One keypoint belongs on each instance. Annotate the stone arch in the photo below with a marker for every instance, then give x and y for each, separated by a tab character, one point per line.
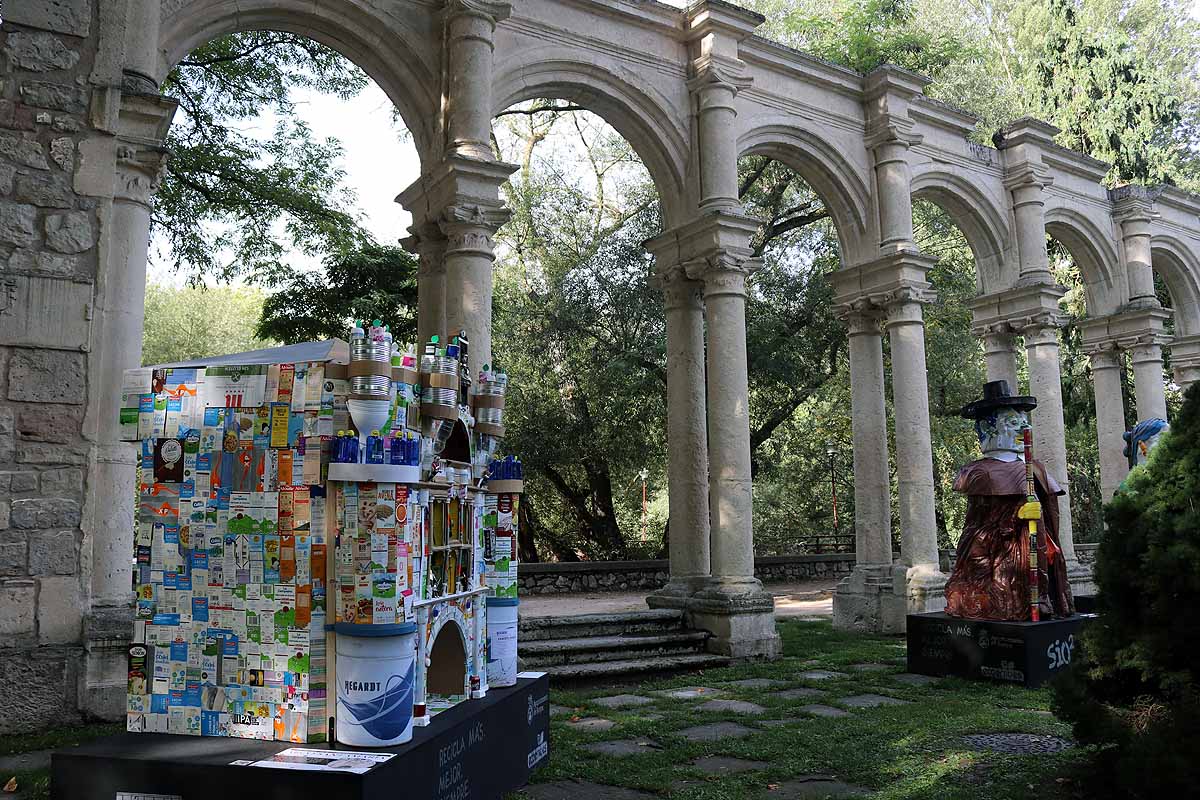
387	46
980	220
1095	253
1180	270
625	101
833	178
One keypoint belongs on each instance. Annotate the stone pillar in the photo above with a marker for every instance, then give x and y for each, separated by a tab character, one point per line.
1110	415
428	243
1145	355
914	452
687	439
887	92
999	353
470	35
117	334
865	600
468	278
1049	431
1026	178
1133	209
733	605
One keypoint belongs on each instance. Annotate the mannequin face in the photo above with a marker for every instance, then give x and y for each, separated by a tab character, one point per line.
1001	432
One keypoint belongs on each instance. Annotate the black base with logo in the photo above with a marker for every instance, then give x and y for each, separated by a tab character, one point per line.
478	750
1028	653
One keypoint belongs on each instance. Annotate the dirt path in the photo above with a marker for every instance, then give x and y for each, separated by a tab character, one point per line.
804	599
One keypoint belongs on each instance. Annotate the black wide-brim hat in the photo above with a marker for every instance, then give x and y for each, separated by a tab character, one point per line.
996	396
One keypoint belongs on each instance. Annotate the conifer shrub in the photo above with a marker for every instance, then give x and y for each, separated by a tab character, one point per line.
1134	690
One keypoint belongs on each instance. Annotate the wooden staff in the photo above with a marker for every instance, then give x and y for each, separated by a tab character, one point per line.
1031	512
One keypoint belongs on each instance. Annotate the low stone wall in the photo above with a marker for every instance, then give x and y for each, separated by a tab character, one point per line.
1086	553
619	576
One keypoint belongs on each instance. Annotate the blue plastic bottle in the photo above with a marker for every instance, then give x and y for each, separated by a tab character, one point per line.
374	448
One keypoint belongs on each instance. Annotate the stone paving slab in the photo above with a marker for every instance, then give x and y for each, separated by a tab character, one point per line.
622	701
818	710
800	693
816	787
913	679
726	765
715	731
756	683
622	747
22	762
821	675
691	692
870	667
1018	743
582	790
592	724
736	706
558	710
871	701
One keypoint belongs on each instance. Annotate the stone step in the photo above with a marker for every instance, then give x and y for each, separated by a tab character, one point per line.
659	620
567	674
591	649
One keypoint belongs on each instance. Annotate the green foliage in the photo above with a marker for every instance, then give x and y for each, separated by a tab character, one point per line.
373	282
1135	692
193	322
235	200
1110	101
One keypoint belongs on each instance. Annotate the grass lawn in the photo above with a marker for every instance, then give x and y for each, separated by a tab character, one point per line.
914	750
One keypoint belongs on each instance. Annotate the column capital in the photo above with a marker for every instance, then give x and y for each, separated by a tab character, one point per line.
455	180
887	92
1147	347
1127	328
1027	176
1012	309
1134	202
723	272
1041	328
862	317
885	279
679	290
1103	354
714	72
142	123
489	10
469	227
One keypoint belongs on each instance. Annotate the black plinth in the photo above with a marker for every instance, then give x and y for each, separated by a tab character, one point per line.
1028	653
478	750
1085	603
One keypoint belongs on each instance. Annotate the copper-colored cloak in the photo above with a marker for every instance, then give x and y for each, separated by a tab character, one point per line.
991	576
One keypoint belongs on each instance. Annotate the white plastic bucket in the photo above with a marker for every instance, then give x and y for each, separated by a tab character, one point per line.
502	641
376	676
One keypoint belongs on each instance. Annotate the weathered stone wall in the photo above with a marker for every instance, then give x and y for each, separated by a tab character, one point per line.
48	267
622	576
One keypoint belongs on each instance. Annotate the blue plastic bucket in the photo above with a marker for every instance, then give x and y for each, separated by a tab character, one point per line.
376	675
502	641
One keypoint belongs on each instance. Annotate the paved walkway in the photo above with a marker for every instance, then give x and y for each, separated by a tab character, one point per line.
813	599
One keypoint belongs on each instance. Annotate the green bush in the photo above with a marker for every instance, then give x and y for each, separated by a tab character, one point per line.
1134	691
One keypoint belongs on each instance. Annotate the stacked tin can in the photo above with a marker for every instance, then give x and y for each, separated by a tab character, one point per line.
370	368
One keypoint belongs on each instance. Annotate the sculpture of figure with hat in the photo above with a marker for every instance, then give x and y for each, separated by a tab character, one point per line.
992	577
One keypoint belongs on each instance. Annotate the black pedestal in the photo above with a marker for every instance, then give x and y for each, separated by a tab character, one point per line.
1029	653
1085	603
477	750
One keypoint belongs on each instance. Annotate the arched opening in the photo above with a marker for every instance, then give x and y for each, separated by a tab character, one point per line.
579	325
446	675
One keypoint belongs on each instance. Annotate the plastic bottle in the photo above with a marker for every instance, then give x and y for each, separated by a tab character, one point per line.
374	448
520	471
336	453
409	361
351	447
356	333
396	451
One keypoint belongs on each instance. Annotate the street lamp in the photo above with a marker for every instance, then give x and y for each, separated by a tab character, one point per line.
831	451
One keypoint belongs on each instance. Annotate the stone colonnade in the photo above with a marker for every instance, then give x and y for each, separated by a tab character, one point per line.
82	129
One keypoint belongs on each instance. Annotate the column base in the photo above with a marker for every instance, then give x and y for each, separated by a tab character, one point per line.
739	615
1081	579
107	634
865	601
922	586
677	591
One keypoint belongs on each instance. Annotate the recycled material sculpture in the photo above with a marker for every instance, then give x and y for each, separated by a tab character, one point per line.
1142	438
992	576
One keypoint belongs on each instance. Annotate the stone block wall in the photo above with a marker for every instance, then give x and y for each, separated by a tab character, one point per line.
647	576
48	259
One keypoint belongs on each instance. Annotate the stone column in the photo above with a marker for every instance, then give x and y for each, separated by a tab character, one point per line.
999	353
714	91
1145	354
1049	431
428	243
865	599
470	41
914	451
468	278
887	93
1026	176
1110	415
117	335
733	605
687	439
1133	209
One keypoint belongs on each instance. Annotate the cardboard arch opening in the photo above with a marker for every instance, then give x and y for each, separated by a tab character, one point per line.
447	672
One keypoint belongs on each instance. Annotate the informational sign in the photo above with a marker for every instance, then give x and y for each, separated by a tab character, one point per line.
322	760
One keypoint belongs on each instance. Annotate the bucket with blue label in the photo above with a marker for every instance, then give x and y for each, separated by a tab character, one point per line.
376	676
